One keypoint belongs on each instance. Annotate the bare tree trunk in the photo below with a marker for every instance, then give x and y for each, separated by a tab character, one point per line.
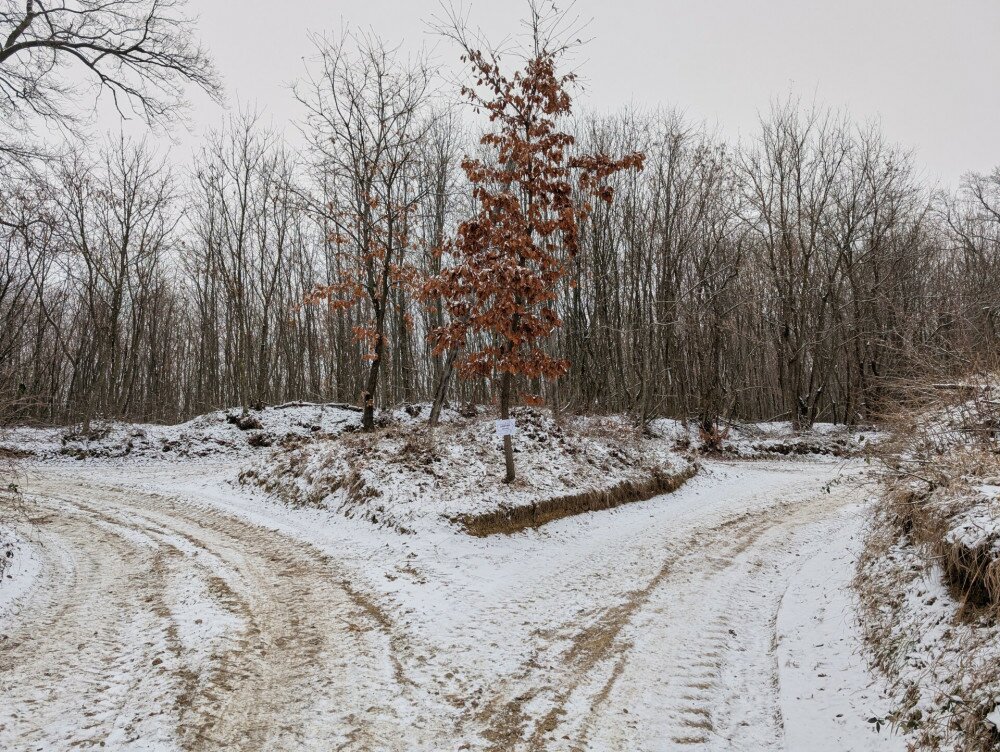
508	444
442	387
368	396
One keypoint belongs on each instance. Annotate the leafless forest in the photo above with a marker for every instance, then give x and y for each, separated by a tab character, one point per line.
799	274
292	552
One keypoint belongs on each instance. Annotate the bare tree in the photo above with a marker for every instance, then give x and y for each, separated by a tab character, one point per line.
249	225
368	119
142	53
800	274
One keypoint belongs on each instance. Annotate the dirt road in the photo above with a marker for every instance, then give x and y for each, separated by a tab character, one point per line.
167	610
158	624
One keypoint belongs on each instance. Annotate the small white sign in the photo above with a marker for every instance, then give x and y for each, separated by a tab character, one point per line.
505	427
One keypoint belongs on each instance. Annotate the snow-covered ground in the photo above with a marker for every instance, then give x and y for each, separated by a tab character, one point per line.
944	665
407	476
773	438
824	674
170	608
222	432
929	582
18	571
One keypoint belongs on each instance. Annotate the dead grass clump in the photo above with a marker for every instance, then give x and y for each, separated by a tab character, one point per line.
972	573
957	525
833	448
418	451
712	440
244	421
96	432
942	660
929	576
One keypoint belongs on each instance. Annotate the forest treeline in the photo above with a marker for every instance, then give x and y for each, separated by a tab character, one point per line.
799	274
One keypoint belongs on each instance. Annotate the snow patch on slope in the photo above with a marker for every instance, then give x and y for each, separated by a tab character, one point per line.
19	569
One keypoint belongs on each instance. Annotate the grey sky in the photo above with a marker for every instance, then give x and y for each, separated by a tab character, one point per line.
928	71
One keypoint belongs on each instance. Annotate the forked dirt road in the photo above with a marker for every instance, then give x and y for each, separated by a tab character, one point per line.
159	608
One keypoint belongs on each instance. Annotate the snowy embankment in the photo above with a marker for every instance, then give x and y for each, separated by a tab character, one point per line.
771	439
222	432
930	577
406	475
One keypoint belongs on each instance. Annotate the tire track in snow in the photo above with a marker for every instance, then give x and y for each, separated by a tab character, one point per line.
299	657
540	641
565	696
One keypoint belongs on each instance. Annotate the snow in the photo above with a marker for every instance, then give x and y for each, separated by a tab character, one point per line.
207	435
719	614
928	576
994	718
18	577
765	439
411	478
831	702
976	525
629	628
937	662
214	433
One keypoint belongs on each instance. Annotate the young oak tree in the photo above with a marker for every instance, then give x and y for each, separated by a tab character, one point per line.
509	257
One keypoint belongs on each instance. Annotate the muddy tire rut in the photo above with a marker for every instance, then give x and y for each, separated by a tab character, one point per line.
186	628
574	692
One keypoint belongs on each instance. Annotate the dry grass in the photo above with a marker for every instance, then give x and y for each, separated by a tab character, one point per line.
929	578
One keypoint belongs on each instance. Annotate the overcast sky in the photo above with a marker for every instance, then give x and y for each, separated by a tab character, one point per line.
928	70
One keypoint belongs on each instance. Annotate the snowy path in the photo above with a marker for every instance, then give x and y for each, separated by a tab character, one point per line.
170	611
157	625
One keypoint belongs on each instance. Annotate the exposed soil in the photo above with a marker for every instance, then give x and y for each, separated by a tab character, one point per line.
514	519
